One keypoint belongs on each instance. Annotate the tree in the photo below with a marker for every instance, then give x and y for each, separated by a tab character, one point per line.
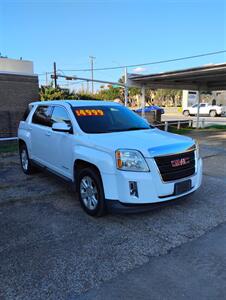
51	93
163	97
109	93
82	95
168	97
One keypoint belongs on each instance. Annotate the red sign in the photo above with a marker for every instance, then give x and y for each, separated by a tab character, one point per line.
180	162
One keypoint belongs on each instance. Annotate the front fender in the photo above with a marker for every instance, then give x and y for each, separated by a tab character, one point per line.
104	161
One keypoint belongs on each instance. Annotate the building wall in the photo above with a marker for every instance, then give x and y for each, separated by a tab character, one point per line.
220	97
16	91
191	97
16	66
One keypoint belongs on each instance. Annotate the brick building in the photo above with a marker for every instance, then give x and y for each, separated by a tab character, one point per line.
18	87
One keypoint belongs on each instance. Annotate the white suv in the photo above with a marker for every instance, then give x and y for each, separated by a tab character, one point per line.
204	109
115	158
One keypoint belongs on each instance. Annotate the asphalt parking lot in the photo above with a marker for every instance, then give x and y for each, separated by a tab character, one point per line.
50	249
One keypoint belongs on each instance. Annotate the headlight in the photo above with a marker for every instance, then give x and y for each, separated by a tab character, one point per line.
130	160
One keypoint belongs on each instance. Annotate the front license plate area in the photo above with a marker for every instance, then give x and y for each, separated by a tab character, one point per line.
182	187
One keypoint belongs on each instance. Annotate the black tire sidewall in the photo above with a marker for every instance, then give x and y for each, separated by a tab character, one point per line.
101	206
29	168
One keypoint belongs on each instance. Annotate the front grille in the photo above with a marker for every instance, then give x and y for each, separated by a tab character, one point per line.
172	167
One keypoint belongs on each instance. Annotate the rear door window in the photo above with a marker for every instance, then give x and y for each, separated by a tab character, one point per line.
42	115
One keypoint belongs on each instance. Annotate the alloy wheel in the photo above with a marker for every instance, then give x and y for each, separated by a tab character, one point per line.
24	159
89	193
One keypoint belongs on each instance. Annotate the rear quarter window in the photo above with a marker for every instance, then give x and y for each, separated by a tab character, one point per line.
26	113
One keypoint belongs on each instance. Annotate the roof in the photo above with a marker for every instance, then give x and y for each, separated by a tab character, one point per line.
16	66
17	74
211	77
77	102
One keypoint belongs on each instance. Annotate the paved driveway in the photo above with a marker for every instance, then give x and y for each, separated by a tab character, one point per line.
50	249
195	270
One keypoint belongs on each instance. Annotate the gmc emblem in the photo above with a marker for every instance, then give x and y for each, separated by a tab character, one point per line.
180	162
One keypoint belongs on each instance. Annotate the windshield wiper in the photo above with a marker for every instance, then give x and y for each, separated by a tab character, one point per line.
122	129
135	128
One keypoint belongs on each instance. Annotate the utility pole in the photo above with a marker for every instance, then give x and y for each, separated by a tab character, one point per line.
143	101
198	108
55	75
126	87
91	64
46	78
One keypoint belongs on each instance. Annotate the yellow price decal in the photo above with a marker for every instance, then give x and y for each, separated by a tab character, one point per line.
89	112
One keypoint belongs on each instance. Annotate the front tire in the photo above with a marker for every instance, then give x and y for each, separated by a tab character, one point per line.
213	113
25	161
91	192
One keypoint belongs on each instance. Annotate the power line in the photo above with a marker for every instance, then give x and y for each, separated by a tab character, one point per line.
44	74
142	64
146	64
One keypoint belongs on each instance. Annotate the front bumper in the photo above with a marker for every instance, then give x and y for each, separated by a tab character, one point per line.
151	188
119	207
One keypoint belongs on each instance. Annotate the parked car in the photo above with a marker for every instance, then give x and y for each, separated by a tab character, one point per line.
204	109
151	108
152	113
115	159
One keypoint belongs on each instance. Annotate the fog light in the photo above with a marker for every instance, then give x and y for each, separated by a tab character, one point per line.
133	188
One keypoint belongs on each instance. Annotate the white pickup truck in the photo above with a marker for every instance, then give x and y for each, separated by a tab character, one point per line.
115	159
205	109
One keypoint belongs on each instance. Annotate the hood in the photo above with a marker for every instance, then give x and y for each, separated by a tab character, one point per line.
150	142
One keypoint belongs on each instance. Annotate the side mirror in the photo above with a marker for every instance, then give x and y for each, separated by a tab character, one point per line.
61	127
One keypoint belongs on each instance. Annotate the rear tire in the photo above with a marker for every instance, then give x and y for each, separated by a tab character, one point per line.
25	161
91	192
186	113
213	113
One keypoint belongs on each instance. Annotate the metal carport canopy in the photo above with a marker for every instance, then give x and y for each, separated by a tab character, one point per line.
206	78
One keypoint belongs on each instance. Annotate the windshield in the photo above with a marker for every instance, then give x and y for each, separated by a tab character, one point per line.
103	119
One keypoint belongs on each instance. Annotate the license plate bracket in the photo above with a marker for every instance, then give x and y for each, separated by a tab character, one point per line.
182	187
